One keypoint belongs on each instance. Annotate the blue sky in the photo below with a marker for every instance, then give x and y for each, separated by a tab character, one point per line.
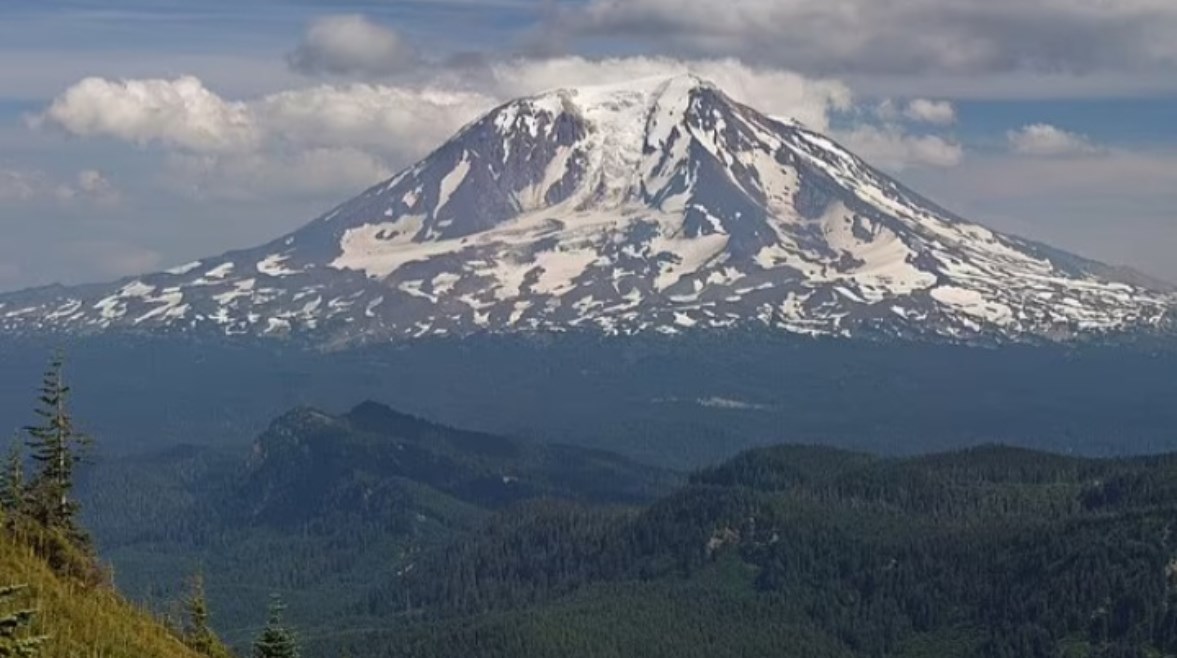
136	135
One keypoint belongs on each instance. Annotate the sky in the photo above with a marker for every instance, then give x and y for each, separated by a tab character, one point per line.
138	135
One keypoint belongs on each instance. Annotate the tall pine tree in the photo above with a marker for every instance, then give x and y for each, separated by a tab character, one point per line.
276	640
13	495
198	634
56	447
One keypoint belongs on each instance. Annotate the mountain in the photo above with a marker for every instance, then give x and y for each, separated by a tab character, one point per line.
326	507
653	206
309	462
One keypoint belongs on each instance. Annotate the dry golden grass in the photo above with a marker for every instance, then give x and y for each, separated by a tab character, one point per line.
82	621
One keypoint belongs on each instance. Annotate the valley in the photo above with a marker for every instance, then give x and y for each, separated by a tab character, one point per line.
408	539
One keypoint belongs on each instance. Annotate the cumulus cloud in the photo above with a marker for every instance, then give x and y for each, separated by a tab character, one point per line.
773	91
351	135
25	186
351	44
400	121
16	185
897	37
891	148
917	110
338	138
930	111
180	112
1045	140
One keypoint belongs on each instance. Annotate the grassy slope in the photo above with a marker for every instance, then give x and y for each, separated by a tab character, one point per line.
83	622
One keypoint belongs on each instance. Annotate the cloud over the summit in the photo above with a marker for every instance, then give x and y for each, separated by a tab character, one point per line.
369	129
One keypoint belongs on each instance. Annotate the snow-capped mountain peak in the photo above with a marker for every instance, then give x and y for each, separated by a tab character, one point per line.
655	205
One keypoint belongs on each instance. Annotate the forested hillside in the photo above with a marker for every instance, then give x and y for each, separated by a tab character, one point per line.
323	507
392	536
816	552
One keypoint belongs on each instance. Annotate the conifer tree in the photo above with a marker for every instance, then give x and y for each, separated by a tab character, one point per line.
14	639
276	640
13	496
56	446
197	633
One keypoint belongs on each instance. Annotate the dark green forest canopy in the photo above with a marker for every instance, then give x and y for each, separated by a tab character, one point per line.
814	552
785	551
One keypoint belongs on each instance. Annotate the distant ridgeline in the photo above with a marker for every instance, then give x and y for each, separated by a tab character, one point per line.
392	536
680	402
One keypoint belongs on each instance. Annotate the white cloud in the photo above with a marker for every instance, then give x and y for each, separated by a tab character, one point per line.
917	110
772	91
91	181
33	186
1045	140
929	111
891	148
899	36
403	122
351	44
271	144
16	185
179	113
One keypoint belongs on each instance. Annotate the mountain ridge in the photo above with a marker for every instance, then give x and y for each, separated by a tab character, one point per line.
656	205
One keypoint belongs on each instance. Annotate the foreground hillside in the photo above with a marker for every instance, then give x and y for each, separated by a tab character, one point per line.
82	621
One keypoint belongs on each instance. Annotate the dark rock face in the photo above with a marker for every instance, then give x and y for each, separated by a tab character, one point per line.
659	205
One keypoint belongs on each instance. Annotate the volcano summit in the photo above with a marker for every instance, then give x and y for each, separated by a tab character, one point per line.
656	205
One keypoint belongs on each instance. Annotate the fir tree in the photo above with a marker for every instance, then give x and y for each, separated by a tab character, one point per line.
14	638
198	634
56	447
276	640
13	496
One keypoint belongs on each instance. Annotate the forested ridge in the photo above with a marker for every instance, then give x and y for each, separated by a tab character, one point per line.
786	551
387	535
812	551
